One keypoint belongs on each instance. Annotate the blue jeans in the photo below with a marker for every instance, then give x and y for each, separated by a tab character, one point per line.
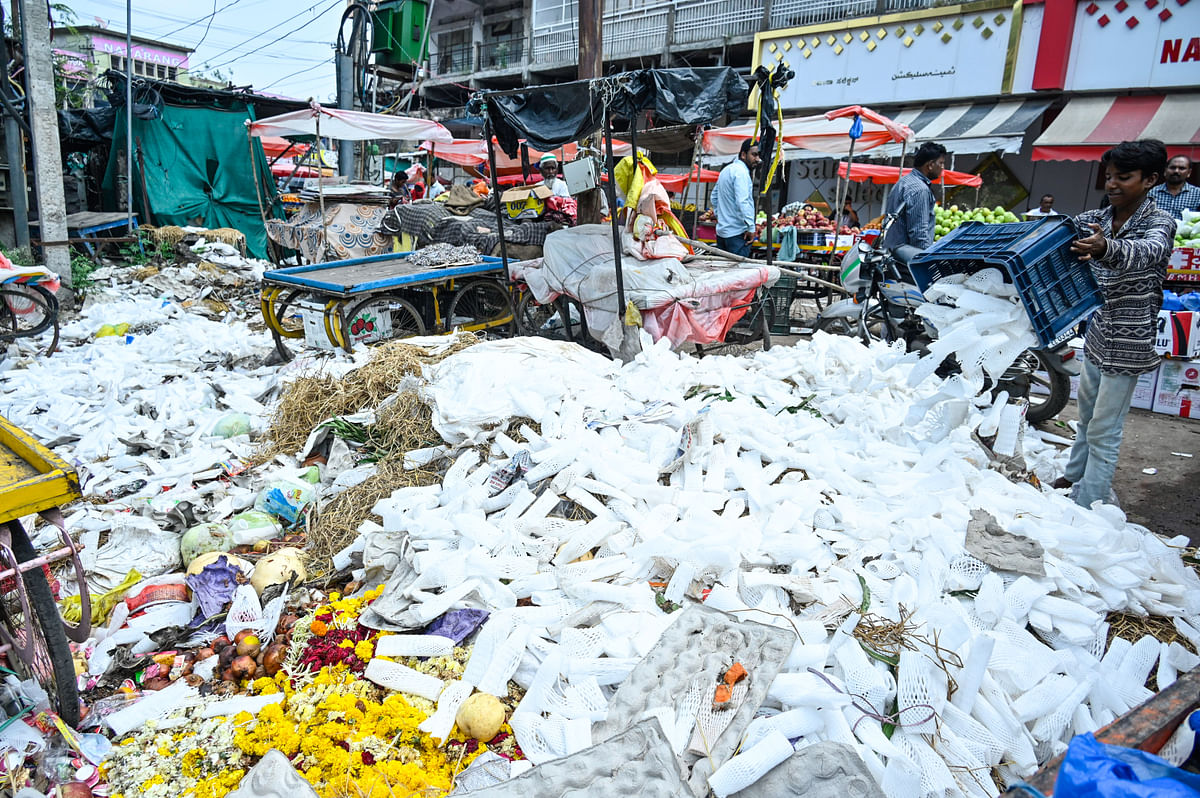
736	245
1103	404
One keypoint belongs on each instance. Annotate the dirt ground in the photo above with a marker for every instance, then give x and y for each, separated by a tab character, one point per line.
1167	502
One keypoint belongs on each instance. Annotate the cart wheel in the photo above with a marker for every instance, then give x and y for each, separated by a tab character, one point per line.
405	319
552	320
756	324
52	664
481	305
286	324
28	310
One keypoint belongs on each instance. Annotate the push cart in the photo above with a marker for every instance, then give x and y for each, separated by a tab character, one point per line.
355	302
33	636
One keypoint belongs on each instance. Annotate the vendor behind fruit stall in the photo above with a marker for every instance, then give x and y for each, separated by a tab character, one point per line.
849	217
733	200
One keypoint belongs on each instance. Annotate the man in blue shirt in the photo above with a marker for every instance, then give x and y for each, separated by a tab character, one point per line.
733	201
915	192
1175	194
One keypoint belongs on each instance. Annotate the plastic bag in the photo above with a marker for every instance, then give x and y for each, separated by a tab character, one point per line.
252	526
285	498
1092	769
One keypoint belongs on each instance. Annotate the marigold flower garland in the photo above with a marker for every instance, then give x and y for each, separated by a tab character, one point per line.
344	734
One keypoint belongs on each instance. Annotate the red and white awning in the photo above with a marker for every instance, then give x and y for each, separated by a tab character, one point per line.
335	123
1090	125
825	133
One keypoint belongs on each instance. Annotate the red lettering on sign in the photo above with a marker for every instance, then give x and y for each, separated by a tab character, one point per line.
1172	47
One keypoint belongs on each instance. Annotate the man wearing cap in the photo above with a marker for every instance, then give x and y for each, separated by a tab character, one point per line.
548	166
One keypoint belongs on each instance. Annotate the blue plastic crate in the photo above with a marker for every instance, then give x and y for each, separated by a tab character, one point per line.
1057	289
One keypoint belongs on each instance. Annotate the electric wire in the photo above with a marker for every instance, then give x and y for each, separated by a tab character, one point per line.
210	65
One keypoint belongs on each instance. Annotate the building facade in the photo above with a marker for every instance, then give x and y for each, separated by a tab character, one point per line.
87	51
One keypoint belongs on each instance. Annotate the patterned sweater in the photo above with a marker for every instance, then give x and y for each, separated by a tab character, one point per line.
1120	335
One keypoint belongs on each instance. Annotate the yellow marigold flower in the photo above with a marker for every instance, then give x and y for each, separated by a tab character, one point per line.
364	650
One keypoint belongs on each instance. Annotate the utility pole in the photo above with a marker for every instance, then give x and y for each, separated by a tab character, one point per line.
345	94
591	65
47	153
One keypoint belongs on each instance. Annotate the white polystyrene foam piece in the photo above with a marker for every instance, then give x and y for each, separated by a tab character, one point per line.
414	646
403	679
751	765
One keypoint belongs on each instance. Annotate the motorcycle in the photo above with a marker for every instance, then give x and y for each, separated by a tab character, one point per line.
883	308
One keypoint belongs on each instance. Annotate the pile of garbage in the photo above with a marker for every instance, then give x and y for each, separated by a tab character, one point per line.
510	567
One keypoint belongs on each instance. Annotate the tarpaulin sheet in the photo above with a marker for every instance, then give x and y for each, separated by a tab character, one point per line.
696	303
677	182
197	171
349	126
473	153
880	174
550	116
351	231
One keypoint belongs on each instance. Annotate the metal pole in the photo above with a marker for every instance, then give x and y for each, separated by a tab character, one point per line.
612	204
837	213
495	181
129	116
320	188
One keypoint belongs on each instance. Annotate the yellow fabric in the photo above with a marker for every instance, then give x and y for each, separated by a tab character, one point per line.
631	182
403	243
71	608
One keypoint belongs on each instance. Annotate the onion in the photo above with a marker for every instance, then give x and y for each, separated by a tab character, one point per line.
243	668
248	646
285	565
273	658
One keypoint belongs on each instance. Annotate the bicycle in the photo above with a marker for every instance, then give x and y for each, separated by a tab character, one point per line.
34	638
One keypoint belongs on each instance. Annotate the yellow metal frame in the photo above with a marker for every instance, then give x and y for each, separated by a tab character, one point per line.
32	478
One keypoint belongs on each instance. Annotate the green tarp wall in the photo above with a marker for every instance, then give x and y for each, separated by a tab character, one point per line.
198	171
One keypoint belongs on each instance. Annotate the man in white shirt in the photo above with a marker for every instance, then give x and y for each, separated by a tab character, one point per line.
1044	208
548	166
733	201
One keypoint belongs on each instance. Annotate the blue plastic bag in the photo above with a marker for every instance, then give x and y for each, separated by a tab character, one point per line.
1190	300
1092	769
1171	300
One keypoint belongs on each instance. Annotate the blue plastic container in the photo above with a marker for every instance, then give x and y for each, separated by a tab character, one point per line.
1057	289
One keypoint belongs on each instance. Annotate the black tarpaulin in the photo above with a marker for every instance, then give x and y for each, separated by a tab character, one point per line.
550	116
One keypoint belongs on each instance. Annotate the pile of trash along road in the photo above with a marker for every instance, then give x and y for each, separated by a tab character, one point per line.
456	566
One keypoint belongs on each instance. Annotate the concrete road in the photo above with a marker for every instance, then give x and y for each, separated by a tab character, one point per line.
1167	502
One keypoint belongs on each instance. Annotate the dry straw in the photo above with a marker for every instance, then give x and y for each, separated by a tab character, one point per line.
403	424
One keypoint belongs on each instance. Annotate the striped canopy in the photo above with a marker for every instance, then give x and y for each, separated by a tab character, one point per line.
1090	125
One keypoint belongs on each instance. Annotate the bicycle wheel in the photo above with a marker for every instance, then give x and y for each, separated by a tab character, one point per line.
52	664
481	305
547	321
382	317
28	310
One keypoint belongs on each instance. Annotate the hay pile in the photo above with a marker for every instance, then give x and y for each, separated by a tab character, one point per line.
172	235
404	424
309	400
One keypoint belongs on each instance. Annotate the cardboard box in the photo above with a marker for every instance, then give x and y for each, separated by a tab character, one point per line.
1184	265
1178	333
526	202
1178	392
1143	392
313	314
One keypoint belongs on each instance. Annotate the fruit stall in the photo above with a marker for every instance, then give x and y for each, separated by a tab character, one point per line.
1184	266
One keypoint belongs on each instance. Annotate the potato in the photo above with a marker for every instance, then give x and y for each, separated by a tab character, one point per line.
480	717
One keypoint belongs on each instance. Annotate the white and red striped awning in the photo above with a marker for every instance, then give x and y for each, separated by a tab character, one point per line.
1089	126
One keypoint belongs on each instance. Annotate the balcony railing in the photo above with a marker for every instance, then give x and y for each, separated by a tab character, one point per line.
649	29
501	53
704	20
455	59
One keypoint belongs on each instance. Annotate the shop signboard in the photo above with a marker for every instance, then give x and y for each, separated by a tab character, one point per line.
141	52
1118	45
945	53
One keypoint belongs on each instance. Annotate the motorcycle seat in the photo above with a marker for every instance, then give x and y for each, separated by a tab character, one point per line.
905	253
